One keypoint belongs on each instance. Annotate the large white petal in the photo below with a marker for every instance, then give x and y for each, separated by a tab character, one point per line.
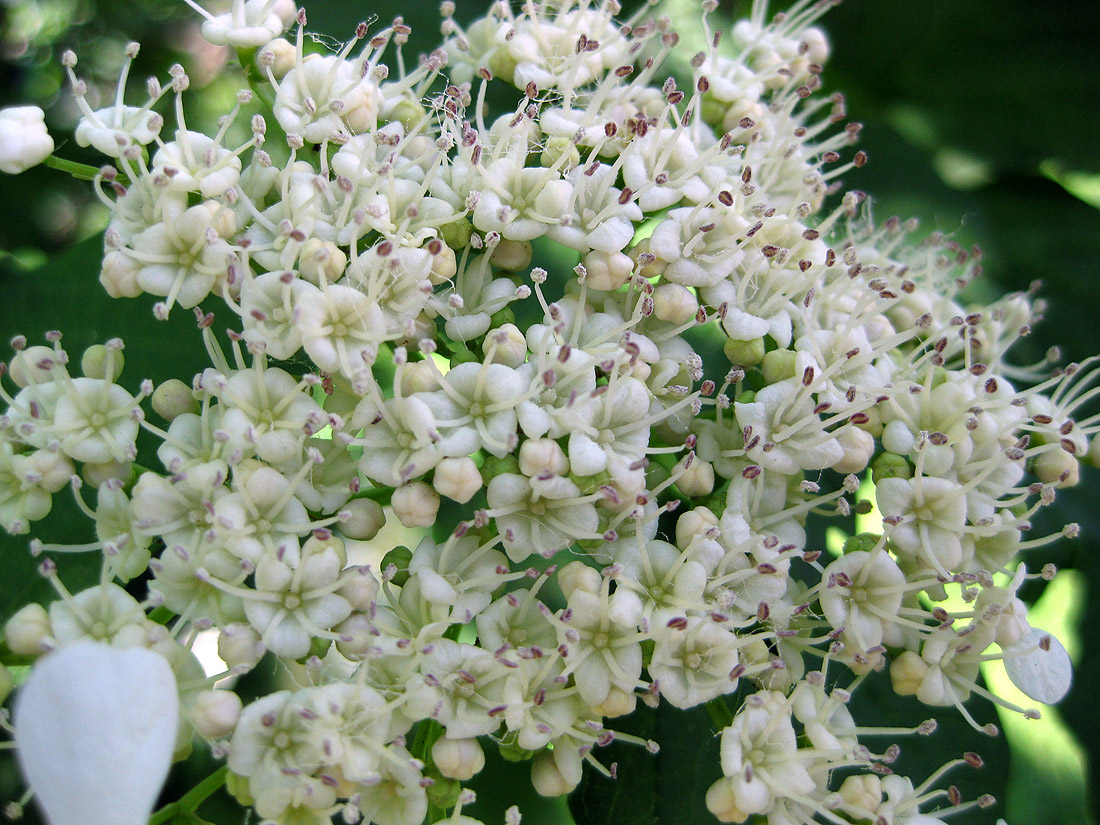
95	728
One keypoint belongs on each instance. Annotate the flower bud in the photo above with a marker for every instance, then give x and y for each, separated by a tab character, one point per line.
578	576
693	523
365	518
618	703
508	345
418	376
332	544
24	141
744	353
118	275
355	638
674	303
897	437
778	365
459	759
415	504
97	474
511	255
240	647
862	791
547	778
444	265
278	57
321	260
542	455
93	363
28	632
27	365
359	586
697	478
457	479
215	712
607	271
1057	467
907	672
858	447
173	398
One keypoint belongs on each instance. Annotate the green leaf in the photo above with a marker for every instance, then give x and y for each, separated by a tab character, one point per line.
668	788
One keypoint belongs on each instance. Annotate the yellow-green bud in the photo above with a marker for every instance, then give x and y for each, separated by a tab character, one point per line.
744	353
778	365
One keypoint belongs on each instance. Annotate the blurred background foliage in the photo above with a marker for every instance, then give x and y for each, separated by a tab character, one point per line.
981	118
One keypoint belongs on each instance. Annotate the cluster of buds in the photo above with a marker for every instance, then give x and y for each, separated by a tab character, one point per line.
615	346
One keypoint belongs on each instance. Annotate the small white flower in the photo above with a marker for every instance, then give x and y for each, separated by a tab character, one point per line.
24	141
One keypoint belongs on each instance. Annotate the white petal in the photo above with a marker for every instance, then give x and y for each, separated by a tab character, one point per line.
1044	675
96	727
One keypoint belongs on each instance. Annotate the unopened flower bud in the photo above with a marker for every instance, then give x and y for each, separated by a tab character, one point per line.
278	57
24	141
118	275
607	271
674	303
508	345
418	376
415	504
744	353
444	266
215	712
695	479
355	640
359	587
542	455
457	479
778	365
694	523
907	672
897	437
1057	467
618	703
858	446
93	363
28	366
365	518
511	255
459	759
173	398
28	631
321	260
578	576
862	791
547	778
96	474
240	647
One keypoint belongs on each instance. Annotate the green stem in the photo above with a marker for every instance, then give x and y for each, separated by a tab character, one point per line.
192	799
80	171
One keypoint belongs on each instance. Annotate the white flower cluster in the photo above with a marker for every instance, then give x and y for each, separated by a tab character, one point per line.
633	433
